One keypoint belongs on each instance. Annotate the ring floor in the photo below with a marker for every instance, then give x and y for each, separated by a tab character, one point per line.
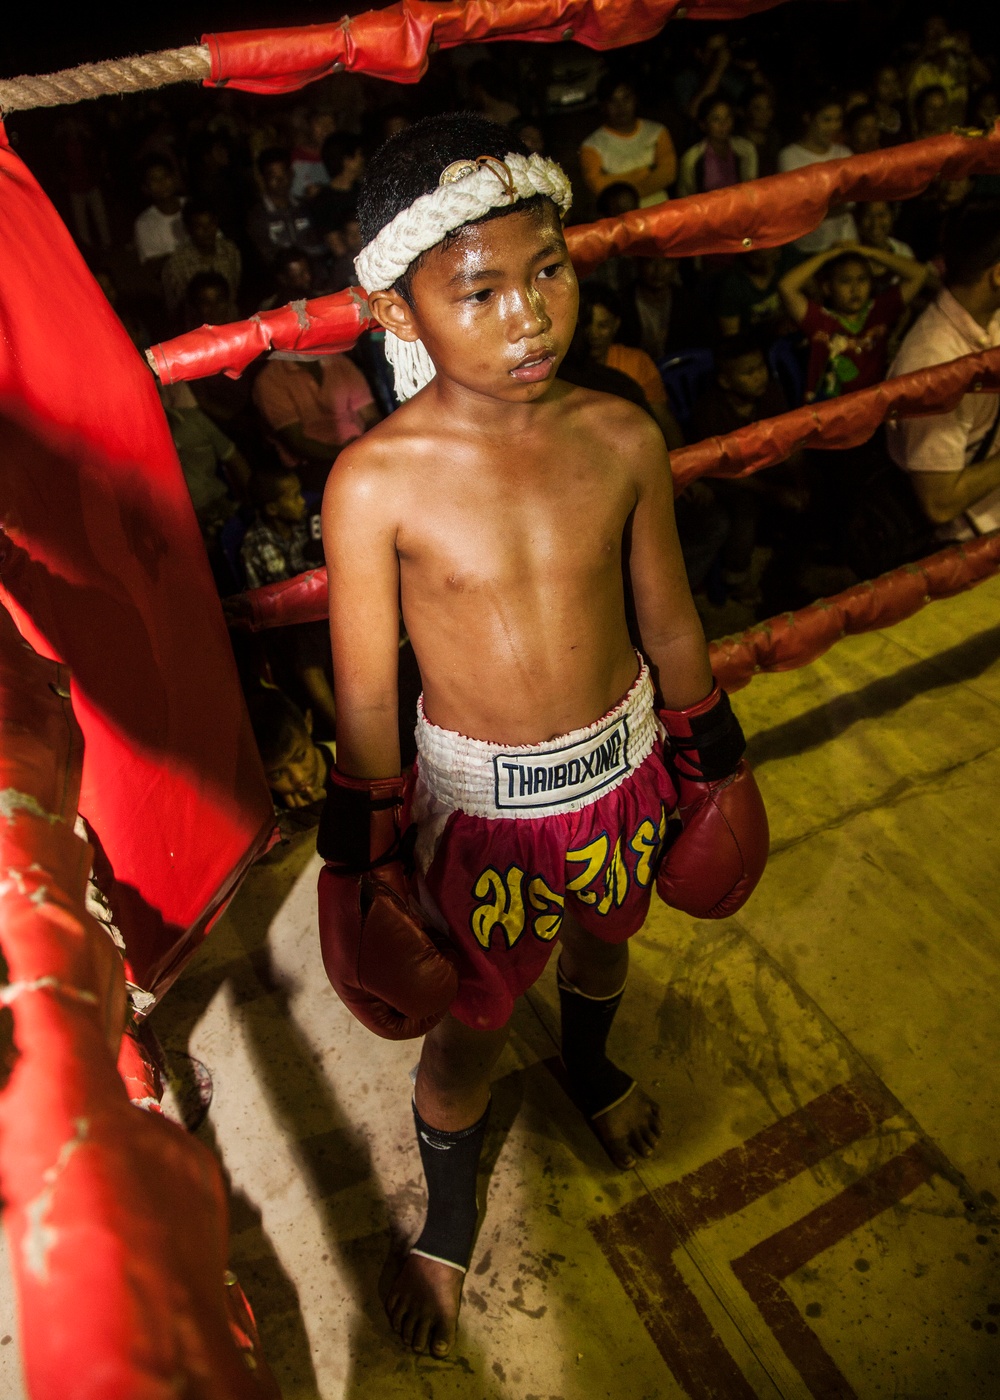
821	1218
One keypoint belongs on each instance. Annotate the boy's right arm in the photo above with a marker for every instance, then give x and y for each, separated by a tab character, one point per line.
359	541
376	952
790	286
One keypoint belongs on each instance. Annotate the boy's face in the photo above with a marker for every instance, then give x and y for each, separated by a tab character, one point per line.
934	112
826	123
849	288
865	134
290	507
495	307
204	231
760	111
619	110
601	331
296	277
298	777
276	179
746	377
211	305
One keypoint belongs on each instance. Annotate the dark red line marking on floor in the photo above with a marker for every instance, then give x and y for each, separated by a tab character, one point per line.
639	1241
762	1268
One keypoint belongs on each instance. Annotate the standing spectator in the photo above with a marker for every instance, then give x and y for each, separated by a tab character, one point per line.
823	120
344	163
226	401
487	95
944	63
875	221
720	158
158	229
862	129
714	74
887	100
759	128
954	458
341	237
600	321
207	249
748	297
314	406
652	303
627	148
278	221
849	331
308	171
930	112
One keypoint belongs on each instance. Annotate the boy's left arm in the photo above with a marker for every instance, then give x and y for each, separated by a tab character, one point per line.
713	866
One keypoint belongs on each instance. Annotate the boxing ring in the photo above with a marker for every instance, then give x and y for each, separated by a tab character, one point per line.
126	740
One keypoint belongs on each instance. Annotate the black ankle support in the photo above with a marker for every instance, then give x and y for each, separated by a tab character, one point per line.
450	1162
596	1084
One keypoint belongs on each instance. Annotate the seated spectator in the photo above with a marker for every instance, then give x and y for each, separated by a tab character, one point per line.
823	119
924	221
206	250
158	229
930	113
314	406
226	401
292	276
600	320
284	540
748	298
341	235
861	127
278	544
875	221
954	458
759	129
613	201
887	101
743	392
344	163
530	134
849	329
308	171
626	147
651	303
720	158
943	63
296	766
215	470
278	220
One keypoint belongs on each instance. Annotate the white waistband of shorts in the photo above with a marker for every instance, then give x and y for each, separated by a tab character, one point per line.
560	775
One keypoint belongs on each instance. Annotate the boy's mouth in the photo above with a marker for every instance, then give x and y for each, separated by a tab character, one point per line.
534	367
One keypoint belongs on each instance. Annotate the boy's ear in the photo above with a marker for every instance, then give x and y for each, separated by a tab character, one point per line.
393	314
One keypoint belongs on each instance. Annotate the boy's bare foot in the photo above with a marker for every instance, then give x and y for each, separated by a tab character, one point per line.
423	1303
630	1130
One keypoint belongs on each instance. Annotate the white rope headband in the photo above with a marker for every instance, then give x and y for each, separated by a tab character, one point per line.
467	190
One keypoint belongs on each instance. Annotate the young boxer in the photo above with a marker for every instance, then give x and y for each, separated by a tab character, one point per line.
510	515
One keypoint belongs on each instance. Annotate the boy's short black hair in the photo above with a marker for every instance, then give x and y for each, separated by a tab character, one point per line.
605	202
410	163
285	257
610	82
273	155
972	243
157	161
736	347
841	260
268	484
195	209
276	722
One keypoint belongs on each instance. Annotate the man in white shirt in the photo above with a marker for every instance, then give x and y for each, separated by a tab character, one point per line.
158	229
954	458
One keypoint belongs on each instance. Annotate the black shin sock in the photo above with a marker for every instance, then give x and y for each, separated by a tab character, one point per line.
596	1083
450	1162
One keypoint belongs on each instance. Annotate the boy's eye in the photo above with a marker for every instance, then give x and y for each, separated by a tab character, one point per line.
551	270
481	296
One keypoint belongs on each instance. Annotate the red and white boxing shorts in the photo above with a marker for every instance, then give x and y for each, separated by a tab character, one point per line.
510	838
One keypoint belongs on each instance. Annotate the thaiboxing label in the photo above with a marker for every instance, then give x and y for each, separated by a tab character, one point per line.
531	782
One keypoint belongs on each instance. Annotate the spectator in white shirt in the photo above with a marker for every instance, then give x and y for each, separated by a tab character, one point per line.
954	458
823	123
627	148
158	229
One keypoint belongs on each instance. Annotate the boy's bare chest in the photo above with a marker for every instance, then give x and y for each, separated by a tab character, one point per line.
516	523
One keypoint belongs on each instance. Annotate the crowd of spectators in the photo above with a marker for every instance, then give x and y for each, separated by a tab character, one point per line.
195	207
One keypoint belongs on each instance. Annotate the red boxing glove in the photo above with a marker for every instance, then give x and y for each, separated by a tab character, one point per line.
714	865
378	955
